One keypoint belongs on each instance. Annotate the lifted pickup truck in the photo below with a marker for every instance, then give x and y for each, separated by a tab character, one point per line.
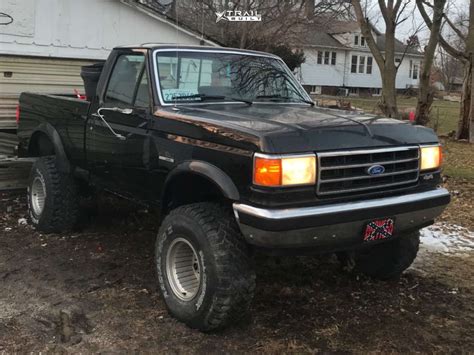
230	148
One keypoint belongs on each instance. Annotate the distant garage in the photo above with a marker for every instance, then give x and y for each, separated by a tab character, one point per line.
43	43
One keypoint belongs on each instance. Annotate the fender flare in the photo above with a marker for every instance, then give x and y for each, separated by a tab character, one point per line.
208	171
53	135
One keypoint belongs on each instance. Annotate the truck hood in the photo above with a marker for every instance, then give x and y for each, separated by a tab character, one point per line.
286	128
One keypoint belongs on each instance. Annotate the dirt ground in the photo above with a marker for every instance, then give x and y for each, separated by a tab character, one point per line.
94	290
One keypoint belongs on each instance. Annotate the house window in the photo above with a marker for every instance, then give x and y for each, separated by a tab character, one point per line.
333	58
354	91
326	57
356	40
376	92
320	57
415	71
354	64
361	64
362	41
369	65
315	90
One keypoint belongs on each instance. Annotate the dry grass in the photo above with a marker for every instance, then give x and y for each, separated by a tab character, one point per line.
444	114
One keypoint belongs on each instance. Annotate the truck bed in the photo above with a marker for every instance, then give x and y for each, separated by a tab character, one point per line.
65	113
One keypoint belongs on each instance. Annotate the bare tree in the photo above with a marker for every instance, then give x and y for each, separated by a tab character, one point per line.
392	12
425	92
449	68
466	34
283	22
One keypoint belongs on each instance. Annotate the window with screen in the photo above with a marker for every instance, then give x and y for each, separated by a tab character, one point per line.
320	57
369	65
354	64
123	81
361	64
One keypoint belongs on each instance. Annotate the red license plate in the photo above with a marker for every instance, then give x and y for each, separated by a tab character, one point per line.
378	230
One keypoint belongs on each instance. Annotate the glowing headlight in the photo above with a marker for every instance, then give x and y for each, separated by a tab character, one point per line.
430	158
284	171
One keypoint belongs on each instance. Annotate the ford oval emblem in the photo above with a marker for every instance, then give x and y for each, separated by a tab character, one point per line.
375	170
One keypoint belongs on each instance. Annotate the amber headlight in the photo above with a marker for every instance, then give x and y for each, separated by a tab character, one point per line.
430	158
284	170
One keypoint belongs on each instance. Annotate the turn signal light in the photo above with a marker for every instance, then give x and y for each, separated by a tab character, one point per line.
431	157
284	171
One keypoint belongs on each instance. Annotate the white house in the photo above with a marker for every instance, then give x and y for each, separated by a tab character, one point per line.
340	58
43	43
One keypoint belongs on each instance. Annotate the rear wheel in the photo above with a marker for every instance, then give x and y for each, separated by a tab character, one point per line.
384	261
205	269
52	197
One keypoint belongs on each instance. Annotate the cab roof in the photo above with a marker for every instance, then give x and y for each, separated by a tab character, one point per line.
153	46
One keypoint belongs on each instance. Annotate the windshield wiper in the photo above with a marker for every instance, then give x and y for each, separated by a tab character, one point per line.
279	97
204	97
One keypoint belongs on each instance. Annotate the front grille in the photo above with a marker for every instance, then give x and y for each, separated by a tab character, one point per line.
346	172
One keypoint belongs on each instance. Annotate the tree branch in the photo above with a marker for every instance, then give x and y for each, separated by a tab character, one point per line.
447	47
367	32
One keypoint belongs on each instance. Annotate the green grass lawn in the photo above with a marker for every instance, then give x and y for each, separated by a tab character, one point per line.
444	114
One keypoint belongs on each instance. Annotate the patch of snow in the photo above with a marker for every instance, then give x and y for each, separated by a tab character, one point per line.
447	238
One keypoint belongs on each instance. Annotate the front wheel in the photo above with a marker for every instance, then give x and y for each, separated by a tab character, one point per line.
384	261
204	266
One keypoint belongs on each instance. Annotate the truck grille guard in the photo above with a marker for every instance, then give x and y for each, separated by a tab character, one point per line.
353	171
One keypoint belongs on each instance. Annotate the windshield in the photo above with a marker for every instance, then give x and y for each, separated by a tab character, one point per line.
187	76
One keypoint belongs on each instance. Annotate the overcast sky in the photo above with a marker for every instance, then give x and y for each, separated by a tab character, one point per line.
415	21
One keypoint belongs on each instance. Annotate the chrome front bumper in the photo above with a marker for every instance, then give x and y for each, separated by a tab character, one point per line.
337	226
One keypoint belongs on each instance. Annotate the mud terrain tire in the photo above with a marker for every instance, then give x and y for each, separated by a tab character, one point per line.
223	283
52	197
387	260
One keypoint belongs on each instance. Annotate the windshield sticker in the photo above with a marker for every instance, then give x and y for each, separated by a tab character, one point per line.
174	94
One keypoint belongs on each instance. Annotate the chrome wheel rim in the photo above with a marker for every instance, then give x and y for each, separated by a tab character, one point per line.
183	269
38	195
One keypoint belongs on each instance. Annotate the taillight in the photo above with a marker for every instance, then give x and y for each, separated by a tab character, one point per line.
17	114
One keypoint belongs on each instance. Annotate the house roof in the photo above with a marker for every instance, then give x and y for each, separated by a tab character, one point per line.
399	46
322	36
161	13
342	26
323	39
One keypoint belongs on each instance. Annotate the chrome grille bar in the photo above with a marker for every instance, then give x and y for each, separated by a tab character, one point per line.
403	169
367	164
369	177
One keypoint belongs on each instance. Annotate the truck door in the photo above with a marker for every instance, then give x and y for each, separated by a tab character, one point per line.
118	130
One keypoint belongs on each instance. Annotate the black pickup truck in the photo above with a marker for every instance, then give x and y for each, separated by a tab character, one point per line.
236	157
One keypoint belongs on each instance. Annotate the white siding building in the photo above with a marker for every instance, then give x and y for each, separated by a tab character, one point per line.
341	58
43	43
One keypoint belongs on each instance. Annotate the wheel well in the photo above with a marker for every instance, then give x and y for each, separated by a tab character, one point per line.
40	145
189	188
